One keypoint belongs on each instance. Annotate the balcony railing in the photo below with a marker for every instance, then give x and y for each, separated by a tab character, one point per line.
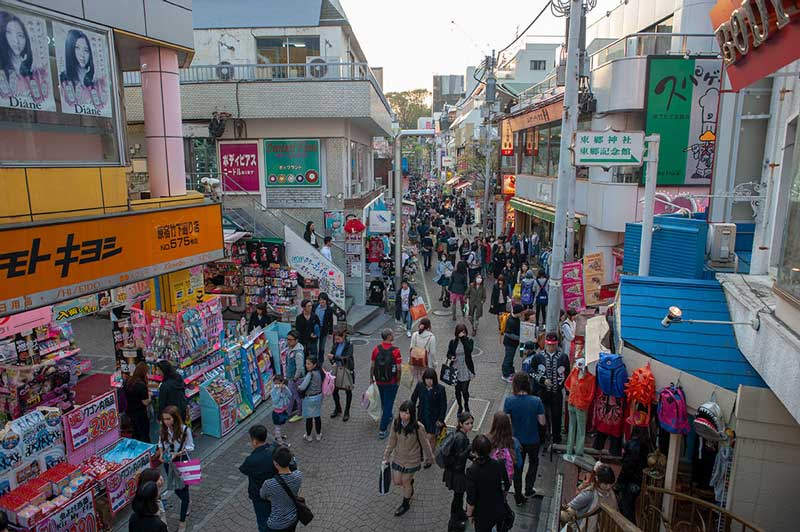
643	44
548	85
277	73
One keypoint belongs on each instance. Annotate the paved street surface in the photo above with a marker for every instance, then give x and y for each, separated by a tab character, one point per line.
341	471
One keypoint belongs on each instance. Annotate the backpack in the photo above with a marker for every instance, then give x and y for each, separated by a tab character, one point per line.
612	375
328	383
504	457
385	367
542	297
452	244
608	414
672	410
503	319
526	293
641	392
444	453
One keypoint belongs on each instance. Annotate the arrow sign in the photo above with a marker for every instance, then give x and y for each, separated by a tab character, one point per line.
608	148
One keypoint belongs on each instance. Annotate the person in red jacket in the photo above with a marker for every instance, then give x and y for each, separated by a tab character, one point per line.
385	373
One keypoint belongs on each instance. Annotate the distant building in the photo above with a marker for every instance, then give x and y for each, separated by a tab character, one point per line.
447	89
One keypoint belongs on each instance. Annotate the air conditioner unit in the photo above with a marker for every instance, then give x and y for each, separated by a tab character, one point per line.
721	242
224	71
318	67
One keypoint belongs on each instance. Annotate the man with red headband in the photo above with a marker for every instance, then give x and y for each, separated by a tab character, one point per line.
550	369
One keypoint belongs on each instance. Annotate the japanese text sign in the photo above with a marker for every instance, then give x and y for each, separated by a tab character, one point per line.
609	148
309	262
506	139
90	422
76	308
77	515
238	164
45	264
291	163
572	286
25	321
121	485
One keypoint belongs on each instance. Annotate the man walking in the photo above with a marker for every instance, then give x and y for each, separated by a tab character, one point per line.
258	467
527	416
511	341
551	368
385	373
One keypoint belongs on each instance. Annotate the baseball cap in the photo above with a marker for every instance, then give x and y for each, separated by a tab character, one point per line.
551	338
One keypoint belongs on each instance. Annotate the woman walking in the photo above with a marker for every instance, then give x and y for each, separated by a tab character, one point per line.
500	298
311	388
444	270
430	401
309	235
341	356
459	353
403	304
506	449
487	484
422	350
464	249
455	476
138	397
541	297
476	295
458	287
406	449
145	507
175	442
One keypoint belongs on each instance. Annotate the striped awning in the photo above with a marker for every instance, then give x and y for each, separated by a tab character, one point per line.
542	211
452	181
462	185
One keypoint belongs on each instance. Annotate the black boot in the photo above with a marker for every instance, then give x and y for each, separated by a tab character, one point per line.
403	508
348	402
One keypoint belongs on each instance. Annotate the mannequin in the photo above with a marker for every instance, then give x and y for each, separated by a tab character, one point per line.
581	387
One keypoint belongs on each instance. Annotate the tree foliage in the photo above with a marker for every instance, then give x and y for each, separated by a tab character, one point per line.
410	105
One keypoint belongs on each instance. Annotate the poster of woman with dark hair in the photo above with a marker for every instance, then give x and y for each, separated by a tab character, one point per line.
25	81
83	70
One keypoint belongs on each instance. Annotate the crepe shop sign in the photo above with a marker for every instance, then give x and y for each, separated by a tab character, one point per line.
92	420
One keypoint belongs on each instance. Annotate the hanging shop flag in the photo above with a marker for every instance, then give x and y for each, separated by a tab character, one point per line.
572	286
334	224
309	262
83	70
292	163
594	273
529	134
506	139
77	515
92	422
238	164
681	105
25	79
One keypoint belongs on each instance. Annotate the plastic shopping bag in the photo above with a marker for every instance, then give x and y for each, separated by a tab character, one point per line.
374	398
418	309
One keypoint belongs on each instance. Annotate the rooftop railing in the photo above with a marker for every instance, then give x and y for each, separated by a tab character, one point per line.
643	44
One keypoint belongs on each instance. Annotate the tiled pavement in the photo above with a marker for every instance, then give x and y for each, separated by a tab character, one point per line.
340	472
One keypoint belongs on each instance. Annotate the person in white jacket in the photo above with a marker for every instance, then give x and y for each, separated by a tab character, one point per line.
423	338
568	331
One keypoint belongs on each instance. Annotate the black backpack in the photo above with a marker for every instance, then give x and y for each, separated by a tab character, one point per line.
385	367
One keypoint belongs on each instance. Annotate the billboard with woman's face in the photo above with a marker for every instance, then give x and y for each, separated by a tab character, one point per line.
25	80
83	70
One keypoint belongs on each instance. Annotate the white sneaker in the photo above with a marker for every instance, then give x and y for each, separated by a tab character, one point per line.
319	436
408	334
307	437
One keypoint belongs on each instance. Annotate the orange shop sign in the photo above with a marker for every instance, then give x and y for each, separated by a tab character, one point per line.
509	184
52	262
543	115
756	37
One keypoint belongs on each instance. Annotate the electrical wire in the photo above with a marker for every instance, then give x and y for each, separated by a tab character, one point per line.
549	2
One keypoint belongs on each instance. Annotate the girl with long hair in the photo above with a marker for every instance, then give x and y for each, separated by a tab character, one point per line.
455	476
312	397
430	400
505	447
406	448
444	270
459	353
152	475
175	442
138	399
458	288
145	507
501	295
487	484
422	339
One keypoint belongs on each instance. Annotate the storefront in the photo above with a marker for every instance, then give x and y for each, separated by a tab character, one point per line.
533	217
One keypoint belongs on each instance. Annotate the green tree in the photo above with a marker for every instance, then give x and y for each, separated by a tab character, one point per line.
410	105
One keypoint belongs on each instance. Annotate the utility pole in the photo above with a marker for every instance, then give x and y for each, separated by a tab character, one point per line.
651	174
566	171
491	91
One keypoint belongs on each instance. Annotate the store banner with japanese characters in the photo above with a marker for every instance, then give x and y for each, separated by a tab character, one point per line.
46	264
292	163
572	286
83	70
75	308
96	422
309	262
681	104
76	516
121	485
238	164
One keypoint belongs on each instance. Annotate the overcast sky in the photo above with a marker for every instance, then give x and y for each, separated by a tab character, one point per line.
414	39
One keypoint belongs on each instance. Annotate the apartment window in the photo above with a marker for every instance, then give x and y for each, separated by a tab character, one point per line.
538	64
58	92
287	51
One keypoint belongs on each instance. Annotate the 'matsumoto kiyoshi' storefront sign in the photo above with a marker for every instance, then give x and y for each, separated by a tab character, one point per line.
48	263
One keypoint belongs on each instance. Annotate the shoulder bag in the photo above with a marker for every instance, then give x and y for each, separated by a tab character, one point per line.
419	355
304	514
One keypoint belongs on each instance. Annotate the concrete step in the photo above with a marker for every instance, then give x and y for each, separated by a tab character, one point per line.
360	315
374	326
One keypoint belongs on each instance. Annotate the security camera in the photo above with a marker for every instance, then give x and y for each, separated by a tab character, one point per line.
673	316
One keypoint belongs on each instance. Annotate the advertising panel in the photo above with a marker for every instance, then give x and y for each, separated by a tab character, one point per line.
572	286
121	485
48	263
83	70
238	164
91	422
78	515
682	98
334	224
308	262
292	163
594	273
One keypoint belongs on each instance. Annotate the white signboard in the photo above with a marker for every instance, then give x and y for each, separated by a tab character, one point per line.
309	262
608	148
380	221
527	332
447	161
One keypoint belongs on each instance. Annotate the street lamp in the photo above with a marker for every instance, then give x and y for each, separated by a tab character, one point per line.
675	315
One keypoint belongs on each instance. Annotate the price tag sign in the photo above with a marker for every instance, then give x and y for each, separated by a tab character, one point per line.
121	486
77	516
91	421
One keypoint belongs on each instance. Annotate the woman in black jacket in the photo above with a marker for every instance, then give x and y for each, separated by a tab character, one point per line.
324	312
145	516
459	354
455	477
458	288
310	235
342	355
258	318
308	326
501	295
430	400
487	484
172	391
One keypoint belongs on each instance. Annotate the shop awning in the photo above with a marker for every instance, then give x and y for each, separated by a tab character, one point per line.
452	181
706	351
542	211
462	185
231	235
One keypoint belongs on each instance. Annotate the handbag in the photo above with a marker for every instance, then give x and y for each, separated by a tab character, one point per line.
191	471
344	379
418	309
448	374
419	355
385	481
304	513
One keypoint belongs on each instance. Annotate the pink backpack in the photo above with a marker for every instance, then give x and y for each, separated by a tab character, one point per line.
504	455
672	410
328	383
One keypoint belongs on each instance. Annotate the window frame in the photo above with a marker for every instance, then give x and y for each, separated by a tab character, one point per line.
114	92
285	45
537	62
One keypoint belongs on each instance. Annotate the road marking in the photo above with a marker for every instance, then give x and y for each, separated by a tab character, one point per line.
478	408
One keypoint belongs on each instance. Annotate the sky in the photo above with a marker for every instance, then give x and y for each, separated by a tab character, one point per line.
414	39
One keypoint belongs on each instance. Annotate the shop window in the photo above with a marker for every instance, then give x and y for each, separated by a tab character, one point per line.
58	92
540	150
527	152
555	147
201	160
788	280
287	51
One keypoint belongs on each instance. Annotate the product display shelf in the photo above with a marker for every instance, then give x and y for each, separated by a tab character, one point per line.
218	404
233	372
251	377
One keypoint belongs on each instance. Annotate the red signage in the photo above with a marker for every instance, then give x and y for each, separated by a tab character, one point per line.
756	37
238	164
509	184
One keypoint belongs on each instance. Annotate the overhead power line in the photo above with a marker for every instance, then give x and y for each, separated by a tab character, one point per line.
527	28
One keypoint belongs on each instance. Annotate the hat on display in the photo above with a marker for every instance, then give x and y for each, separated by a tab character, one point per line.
709	423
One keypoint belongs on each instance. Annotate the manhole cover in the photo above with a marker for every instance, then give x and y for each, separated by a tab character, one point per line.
359	341
442	312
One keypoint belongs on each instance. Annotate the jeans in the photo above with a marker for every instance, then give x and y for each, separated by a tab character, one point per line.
531	452
387	392
405	317
183	495
553	409
508	360
576	434
321	347
262	510
462	394
426	259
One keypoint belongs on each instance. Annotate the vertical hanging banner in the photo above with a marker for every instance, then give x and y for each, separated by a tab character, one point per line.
594	273
238	164
572	286
682	97
83	70
506	139
25	78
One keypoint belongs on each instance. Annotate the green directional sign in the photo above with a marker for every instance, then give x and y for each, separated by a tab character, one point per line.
608	148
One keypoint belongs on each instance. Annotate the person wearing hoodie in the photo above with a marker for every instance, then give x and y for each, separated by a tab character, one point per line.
294	372
528	290
511	342
172	391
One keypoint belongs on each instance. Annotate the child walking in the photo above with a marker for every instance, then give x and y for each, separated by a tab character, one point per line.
281	397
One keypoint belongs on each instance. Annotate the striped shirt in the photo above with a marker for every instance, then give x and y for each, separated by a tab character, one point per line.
283	512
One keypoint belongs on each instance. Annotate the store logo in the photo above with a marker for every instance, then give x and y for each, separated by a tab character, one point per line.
273	178
312	176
